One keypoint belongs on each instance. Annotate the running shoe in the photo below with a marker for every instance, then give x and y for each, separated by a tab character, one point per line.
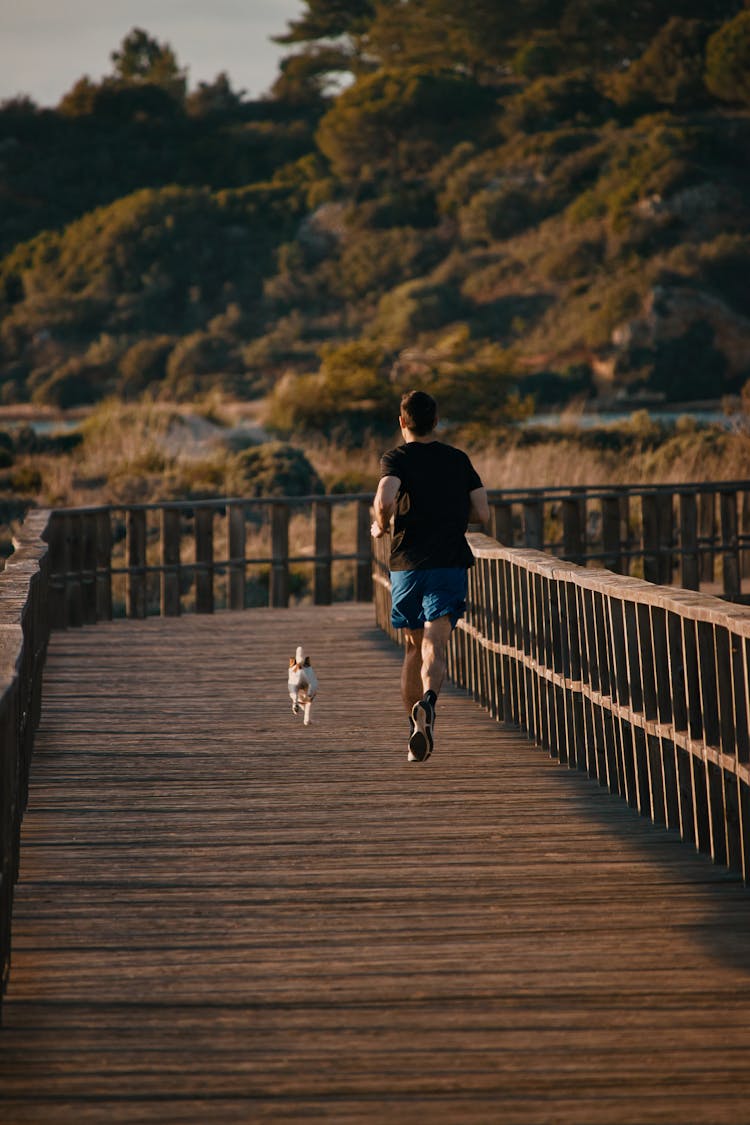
420	739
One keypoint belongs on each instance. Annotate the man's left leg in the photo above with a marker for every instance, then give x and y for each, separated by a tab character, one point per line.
436	635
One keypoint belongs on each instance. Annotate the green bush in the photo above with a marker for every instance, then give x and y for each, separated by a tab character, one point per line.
573	258
538	56
372	262
501	212
397	123
669	72
688	367
76	383
201	353
144	364
728	60
549	103
276	469
414	308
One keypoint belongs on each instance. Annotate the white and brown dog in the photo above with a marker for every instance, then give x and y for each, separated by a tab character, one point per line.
303	684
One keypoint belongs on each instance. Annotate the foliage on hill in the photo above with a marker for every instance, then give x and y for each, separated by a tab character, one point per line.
544	199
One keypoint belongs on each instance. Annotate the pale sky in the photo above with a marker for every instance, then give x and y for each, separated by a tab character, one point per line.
47	45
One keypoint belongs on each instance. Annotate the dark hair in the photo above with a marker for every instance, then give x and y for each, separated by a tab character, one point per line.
419	412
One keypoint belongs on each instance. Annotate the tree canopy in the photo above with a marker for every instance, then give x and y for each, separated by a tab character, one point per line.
499	200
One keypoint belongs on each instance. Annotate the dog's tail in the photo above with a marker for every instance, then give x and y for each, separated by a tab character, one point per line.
299	655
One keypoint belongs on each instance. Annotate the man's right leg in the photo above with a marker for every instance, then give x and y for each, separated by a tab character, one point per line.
411	669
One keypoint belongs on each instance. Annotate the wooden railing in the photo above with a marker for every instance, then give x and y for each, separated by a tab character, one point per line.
171	557
167	558
693	535
24	631
644	687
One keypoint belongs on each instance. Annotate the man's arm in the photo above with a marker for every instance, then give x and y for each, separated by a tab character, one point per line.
384	505
479	510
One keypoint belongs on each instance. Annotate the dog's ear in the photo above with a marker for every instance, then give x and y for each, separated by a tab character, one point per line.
291	661
307	662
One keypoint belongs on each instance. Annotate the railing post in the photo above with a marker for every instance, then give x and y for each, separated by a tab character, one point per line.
236	545
501	522
57	562
204	558
88	567
136	549
573	528
533	524
103	566
279	583
170	561
690	569
321	514
729	544
666	536
611	533
650	522
707	534
363	591
72	564
745	534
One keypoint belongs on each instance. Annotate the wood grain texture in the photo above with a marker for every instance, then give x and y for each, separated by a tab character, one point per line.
225	917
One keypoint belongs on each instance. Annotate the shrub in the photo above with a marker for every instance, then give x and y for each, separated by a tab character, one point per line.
549	103
538	56
669	72
374	261
688	366
201	353
416	307
728	60
501	212
348	398
277	469
143	364
74	384
397	123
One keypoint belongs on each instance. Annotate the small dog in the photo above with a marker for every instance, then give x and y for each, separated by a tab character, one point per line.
303	684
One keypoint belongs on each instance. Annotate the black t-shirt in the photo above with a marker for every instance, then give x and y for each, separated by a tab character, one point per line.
432	505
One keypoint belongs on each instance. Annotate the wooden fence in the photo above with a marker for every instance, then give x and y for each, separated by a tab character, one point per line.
24	631
165	558
643	686
693	535
171	557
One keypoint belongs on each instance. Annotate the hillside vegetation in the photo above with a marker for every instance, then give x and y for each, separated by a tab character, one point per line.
512	205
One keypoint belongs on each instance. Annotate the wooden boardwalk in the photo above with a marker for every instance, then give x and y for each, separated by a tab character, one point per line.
224	917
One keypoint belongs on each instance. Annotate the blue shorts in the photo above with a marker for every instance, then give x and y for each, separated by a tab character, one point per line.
424	595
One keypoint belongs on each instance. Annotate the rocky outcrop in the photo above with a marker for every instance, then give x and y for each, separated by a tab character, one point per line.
669	313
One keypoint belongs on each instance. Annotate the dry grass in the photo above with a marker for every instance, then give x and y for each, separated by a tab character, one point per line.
152	452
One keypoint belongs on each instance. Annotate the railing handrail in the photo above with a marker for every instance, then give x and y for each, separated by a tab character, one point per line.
688	603
24	632
647	688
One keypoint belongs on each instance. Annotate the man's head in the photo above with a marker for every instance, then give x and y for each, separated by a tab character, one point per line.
418	412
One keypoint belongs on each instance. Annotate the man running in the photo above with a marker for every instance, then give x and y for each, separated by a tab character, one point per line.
433	492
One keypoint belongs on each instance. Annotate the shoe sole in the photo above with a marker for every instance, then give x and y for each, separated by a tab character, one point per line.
420	740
